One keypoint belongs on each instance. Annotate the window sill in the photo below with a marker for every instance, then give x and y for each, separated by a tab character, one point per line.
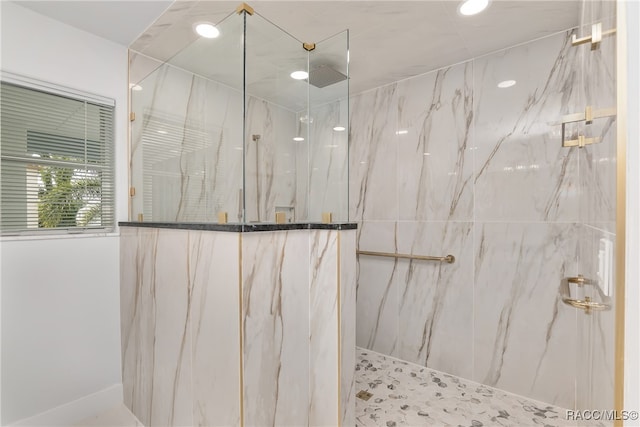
26	237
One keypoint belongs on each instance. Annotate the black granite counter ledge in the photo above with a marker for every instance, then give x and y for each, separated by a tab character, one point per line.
333	226
205	226
242	228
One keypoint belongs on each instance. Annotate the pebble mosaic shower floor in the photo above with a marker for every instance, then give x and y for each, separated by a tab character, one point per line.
405	394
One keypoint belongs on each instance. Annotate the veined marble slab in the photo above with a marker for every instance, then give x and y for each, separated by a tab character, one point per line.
522	172
177	299
435	299
348	263
156	327
524	336
324	328
276	328
435	145
373	155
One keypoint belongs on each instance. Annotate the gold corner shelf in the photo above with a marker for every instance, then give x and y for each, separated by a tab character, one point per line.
586	304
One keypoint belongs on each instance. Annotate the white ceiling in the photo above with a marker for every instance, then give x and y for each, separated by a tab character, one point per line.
116	20
389	40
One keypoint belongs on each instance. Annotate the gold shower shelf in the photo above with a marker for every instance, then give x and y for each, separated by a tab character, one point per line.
586	304
447	258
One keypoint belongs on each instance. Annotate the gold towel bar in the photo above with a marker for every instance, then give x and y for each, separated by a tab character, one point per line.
448	258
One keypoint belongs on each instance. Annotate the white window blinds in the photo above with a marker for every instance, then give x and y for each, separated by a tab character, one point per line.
56	161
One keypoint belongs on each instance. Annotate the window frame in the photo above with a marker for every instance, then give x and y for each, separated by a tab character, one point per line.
109	163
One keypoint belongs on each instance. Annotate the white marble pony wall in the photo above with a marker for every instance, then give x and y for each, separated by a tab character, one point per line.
228	328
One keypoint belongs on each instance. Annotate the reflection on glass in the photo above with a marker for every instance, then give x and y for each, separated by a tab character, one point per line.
243	124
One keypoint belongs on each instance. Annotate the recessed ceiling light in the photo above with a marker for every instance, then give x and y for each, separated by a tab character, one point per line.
339	128
506	83
299	75
426	154
207	30
135	87
163	132
298	138
402	132
472	7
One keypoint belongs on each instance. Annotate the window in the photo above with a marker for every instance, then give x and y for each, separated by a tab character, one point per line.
56	159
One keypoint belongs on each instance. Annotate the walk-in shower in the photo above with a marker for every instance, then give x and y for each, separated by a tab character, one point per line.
484	195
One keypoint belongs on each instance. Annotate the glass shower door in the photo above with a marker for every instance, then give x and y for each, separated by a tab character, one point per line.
592	291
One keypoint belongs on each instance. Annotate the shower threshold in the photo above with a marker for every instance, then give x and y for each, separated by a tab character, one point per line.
406	394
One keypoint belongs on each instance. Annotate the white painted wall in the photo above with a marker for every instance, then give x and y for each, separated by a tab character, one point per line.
632	321
60	296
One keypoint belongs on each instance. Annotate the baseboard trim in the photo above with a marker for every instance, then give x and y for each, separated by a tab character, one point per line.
76	410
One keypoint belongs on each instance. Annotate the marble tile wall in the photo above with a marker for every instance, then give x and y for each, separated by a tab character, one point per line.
323	345
447	162
276	328
328	161
270	167
223	329
347	271
177	297
525	234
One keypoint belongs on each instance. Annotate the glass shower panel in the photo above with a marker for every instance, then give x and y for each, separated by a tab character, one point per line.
276	115
186	147
597	163
328	150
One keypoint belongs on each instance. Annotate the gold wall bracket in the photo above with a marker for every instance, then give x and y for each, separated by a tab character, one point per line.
588	116
595	38
132	117
308	46
581	142
223	217
132	191
327	217
243	7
